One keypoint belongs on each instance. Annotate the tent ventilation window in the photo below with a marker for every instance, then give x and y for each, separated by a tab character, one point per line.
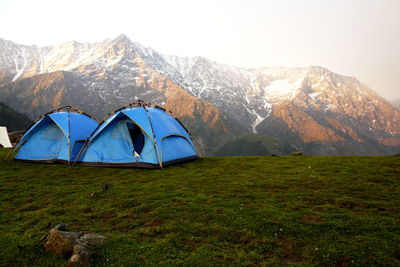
137	137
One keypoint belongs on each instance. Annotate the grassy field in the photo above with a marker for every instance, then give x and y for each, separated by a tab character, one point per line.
310	211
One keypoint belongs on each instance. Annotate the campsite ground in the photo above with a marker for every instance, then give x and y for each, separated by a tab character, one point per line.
334	211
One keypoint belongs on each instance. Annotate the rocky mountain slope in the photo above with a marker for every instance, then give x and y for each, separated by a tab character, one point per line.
101	77
396	103
311	108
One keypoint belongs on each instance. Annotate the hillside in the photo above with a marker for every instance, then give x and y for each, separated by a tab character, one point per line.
13	120
310	211
316	110
254	145
396	103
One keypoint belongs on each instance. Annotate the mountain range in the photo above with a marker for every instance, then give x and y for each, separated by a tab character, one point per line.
310	108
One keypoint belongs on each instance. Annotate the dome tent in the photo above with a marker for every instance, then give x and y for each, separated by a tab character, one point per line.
138	135
56	136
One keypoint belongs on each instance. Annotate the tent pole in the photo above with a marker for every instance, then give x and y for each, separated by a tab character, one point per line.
81	151
154	137
69	140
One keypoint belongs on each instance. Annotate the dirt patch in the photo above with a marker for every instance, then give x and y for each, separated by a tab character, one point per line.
312	218
318	209
290	252
154	223
107	215
343	264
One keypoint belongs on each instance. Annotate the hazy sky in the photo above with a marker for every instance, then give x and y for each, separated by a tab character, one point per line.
352	37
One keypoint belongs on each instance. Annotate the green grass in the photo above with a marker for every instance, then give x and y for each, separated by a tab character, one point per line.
254	145
310	211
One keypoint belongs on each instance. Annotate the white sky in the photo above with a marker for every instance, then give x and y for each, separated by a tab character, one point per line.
352	37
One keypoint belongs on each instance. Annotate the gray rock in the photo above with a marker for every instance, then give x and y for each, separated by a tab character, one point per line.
93	239
77	244
60	242
81	256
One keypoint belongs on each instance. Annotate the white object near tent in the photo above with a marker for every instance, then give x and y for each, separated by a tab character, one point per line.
4	140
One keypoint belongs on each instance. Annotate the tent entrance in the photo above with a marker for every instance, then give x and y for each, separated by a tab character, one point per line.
137	137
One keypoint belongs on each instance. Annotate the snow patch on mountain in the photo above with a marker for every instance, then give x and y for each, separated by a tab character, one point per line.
314	95
256	122
281	90
19	70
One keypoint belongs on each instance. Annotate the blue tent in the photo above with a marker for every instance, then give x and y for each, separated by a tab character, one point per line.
138	135
56	136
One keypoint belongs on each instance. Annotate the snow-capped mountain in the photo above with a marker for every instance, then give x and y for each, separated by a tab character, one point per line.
311	108
101	77
255	95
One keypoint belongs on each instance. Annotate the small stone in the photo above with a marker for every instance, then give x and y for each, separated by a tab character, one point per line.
105	187
94	195
61	227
